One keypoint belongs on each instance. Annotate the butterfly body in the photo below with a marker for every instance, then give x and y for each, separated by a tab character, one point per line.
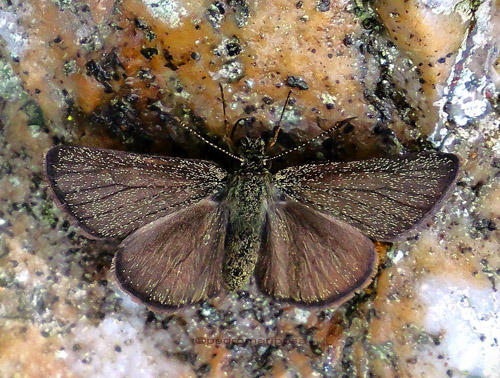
248	193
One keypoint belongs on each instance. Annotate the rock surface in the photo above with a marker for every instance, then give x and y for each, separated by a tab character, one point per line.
418	75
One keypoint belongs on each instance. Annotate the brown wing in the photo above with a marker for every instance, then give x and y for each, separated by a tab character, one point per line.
311	258
176	260
383	197
111	193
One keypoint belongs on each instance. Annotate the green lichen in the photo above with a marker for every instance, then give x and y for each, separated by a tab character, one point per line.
47	213
384	352
367	15
34	113
70	67
10	84
475	4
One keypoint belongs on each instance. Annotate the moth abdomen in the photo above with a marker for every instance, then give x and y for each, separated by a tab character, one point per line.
246	200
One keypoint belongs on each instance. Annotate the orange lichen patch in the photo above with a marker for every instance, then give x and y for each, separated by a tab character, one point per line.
41	63
329	334
211	349
382	369
381	249
302	364
430	39
296	42
31	137
99	139
359	357
282	47
279	370
218	363
271	51
391	300
89	92
25	353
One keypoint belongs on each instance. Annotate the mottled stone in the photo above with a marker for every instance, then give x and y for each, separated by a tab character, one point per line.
112	73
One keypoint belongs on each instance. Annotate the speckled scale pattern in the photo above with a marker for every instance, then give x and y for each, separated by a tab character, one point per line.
193	229
383	197
312	258
177	259
112	193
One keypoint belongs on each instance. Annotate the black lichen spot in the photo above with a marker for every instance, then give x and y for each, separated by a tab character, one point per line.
195	56
122	120
232	70
323	5
297	82
170	61
109	68
233	48
267	100
93	69
145	74
347	40
149	52
371	23
249	109
204	369
140	24
315	348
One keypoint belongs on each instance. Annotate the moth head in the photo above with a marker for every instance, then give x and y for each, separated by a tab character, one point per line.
252	150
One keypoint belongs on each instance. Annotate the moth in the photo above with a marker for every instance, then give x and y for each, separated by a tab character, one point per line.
193	230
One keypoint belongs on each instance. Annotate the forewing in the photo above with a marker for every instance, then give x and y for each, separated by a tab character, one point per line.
383	197
175	260
311	258
111	193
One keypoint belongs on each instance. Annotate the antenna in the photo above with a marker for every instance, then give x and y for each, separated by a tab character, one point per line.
226	127
337	125
184	125
277	128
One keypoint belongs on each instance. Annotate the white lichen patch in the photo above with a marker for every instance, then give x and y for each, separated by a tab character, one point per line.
327	98
105	350
467	320
12	33
441	6
169	11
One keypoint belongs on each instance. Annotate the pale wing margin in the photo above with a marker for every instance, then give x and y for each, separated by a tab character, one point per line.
382	197
112	193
